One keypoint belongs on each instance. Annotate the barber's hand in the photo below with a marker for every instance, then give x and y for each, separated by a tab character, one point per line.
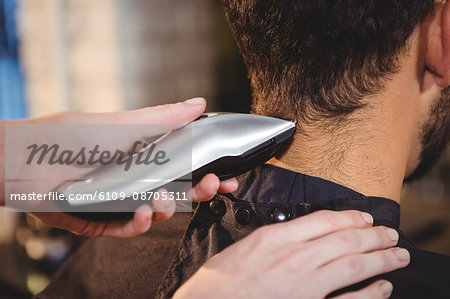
309	257
172	116
143	218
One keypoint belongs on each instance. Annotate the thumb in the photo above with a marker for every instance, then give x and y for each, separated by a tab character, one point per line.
176	114
154	120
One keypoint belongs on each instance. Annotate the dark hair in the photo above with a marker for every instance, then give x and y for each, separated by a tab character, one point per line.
316	59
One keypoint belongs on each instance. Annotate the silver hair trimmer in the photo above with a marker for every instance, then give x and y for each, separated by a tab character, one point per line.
226	144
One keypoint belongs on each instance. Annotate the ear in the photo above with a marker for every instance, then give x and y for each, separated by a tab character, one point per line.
437	58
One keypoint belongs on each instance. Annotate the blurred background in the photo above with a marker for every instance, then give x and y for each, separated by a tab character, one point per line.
109	55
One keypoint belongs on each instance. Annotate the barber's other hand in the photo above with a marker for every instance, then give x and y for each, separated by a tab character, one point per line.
172	114
309	257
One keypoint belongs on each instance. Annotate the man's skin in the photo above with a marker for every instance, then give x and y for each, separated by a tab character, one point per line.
381	145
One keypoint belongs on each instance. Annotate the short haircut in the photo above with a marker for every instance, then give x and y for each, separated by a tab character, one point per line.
318	59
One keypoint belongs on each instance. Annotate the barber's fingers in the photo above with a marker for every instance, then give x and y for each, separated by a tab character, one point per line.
228	186
143	218
177	113
210	185
154	120
141	222
320	223
358	267
163	207
205	189
380	289
149	122
350	241
61	220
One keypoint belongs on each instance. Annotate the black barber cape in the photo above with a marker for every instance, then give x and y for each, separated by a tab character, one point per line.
157	263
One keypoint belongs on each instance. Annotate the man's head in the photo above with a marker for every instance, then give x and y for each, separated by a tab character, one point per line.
320	61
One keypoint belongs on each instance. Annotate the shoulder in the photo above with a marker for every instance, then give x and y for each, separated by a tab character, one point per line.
122	267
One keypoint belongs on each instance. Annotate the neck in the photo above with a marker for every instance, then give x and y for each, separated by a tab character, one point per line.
376	147
369	158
